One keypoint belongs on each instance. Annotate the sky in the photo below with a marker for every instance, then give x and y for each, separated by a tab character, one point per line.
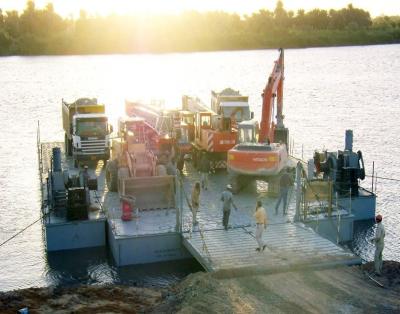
105	7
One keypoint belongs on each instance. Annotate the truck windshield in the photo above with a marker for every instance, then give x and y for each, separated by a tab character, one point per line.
91	127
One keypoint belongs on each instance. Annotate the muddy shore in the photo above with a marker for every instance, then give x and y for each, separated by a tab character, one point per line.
337	290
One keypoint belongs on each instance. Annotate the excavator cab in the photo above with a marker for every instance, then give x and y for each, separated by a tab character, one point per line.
248	132
203	122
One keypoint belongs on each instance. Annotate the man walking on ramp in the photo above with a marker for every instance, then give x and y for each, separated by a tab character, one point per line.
261	221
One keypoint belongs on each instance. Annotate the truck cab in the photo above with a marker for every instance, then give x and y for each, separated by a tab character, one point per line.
230	104
87	131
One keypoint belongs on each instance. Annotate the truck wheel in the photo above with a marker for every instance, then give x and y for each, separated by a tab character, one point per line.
112	176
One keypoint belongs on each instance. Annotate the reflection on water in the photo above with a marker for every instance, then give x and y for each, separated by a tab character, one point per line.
96	266
364	231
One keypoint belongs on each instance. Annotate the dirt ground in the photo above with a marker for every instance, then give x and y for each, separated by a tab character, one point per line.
337	290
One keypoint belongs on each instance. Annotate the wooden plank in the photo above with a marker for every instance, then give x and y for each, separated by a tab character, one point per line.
235	248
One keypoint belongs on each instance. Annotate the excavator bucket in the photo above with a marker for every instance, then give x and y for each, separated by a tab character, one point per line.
150	192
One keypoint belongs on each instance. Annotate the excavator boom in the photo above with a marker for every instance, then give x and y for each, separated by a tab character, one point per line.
274	88
265	159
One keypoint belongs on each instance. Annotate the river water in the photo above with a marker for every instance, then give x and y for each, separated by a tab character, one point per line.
327	90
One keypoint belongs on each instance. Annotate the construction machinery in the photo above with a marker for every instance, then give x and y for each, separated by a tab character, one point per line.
342	168
216	127
68	194
134	169
262	149
173	127
182	133
87	131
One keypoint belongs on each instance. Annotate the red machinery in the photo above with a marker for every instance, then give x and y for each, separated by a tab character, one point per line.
216	128
262	151
174	127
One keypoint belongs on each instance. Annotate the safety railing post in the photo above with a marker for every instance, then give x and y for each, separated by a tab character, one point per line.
350	202
298	191
338	220
373	173
330	197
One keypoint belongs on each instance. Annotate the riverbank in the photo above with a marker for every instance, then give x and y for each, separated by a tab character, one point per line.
345	289
44	32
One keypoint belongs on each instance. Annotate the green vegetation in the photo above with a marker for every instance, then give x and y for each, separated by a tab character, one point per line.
41	32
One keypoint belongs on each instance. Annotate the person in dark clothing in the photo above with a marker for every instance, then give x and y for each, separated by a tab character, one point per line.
227	201
204	170
284	184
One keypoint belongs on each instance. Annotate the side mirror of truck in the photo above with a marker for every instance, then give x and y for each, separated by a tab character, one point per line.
252	115
111	128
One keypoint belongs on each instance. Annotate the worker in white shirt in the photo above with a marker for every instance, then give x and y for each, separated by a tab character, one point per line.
379	241
261	220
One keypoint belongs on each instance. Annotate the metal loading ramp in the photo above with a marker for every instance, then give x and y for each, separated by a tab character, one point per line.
289	246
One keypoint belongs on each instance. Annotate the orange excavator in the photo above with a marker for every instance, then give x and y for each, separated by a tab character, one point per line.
262	150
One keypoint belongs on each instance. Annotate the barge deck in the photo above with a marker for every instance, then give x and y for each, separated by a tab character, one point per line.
165	234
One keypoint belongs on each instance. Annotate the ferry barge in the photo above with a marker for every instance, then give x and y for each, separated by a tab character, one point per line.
138	203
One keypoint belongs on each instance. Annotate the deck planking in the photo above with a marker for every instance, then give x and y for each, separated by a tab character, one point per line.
289	245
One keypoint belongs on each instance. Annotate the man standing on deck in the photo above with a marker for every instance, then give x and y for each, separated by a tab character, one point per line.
195	202
261	221
204	170
227	201
379	244
284	183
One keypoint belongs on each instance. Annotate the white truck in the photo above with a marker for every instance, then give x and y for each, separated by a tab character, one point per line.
87	131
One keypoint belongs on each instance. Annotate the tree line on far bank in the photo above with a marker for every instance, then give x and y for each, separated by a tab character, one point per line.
44	32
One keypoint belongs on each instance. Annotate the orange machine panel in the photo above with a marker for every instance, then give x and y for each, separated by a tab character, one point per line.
216	141
255	162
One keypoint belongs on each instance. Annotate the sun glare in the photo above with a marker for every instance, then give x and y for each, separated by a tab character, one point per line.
141	7
134	7
107	7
